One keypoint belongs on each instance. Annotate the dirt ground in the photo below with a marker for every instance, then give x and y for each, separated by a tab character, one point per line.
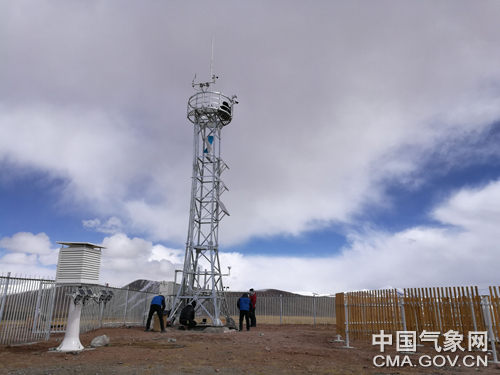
267	349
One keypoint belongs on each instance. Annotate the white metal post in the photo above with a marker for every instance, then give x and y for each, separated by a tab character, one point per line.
144	318
4	297
51	302
346	311
485	303
314	308
281	309
71	340
126	305
37	307
403	316
473	314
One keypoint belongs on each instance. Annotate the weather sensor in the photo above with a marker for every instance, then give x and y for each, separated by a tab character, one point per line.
78	264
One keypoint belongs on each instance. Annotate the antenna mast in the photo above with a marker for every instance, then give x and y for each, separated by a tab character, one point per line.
212	60
205	85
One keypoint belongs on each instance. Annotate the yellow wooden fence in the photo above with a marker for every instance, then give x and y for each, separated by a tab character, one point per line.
438	309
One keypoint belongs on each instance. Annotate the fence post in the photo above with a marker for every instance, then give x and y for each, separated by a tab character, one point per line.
37	307
101	312
473	313
4	297
126	304
146	310
403	317
265	306
281	309
487	318
52	302
314	307
346	312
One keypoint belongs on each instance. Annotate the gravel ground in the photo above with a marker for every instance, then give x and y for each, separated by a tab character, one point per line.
267	349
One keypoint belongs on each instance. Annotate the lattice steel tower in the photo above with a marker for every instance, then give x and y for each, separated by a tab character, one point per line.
209	111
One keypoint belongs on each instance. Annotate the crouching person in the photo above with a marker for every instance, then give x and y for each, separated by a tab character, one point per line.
187	316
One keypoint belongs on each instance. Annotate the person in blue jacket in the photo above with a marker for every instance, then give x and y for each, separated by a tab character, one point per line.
157	306
244	306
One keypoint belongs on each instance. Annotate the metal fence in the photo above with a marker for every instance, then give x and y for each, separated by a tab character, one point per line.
294	309
31	309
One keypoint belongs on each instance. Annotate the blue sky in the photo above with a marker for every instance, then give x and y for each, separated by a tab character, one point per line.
364	152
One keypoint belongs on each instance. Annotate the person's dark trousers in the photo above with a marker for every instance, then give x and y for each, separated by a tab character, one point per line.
253	319
188	323
155	309
246	315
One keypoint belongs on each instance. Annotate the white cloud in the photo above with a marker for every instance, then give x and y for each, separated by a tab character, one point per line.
49	259
127	259
319	129
24	242
420	257
19	259
415	257
98	98
112	226
473	209
120	246
160	252
26	249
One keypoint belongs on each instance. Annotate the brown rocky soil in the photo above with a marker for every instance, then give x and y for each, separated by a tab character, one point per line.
267	349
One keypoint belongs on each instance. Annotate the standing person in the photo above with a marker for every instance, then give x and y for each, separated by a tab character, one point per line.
244	306
187	316
253	302
157	306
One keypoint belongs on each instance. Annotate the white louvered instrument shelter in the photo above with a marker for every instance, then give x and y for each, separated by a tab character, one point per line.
79	263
